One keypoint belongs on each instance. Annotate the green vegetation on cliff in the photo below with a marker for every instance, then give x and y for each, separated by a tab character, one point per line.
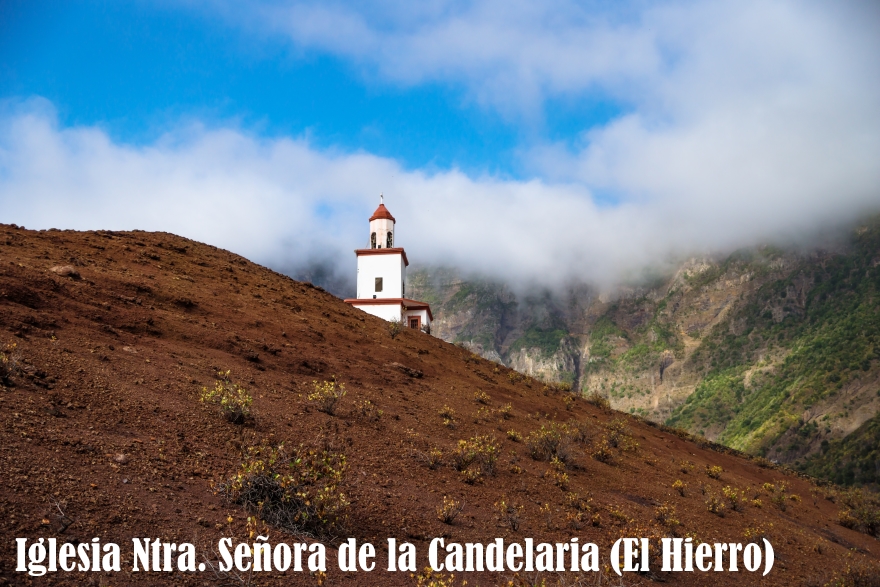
822	320
546	340
852	460
770	351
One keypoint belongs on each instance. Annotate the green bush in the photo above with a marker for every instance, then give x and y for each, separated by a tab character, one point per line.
234	400
548	442
475	458
860	511
326	395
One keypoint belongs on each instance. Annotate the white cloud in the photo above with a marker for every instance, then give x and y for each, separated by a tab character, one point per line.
744	122
268	200
657	55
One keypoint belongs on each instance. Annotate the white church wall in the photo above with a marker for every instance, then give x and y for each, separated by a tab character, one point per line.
389	267
421	314
384	311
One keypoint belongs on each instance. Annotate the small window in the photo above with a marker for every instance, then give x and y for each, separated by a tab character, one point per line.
414	323
389	242
378	284
373	241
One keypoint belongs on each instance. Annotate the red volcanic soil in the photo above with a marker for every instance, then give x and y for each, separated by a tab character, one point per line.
103	423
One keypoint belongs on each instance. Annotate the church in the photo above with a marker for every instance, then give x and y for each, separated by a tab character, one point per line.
381	277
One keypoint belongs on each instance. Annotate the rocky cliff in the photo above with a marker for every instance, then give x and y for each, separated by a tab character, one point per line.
768	350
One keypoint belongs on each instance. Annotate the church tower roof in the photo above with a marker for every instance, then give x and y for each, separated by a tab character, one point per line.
383	213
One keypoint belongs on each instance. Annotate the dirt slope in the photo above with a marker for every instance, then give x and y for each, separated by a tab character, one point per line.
103	421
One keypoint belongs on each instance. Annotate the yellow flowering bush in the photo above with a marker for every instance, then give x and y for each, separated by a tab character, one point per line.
234	400
297	489
326	395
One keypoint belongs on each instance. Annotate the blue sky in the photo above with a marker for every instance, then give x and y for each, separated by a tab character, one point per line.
136	68
561	139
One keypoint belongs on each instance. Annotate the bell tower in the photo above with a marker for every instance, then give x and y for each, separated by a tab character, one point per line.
382	227
381	276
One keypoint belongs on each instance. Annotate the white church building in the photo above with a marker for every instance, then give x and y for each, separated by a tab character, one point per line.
381	277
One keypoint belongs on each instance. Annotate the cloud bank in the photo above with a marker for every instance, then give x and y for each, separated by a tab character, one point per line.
742	122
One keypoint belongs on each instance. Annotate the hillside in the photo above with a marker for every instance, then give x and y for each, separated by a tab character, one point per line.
104	435
769	351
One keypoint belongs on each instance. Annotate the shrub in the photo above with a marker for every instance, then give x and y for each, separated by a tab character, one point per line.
481	397
714	471
557	473
757	534
857	574
686	467
598	401
734	497
665	516
547	512
447	413
471	476
568	401
9	360
548	442
556	387
579	431
514	435
449	510
680	486
234	400
509	513
618	516
395	327
778	496
475	457
575	520
506	412
326	395
715	505
483	414
368	412
602	451
861	512
297	489
431	459
430	578
575	501
828	493
620	436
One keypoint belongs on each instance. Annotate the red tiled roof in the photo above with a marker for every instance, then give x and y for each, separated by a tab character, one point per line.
382	212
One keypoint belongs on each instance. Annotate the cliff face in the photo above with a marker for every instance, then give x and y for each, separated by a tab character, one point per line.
770	351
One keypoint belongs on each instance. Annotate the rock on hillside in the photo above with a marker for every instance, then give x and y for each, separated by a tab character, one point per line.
104	434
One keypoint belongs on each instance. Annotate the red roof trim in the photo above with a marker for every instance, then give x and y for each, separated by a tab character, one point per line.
392	250
382	212
406	303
